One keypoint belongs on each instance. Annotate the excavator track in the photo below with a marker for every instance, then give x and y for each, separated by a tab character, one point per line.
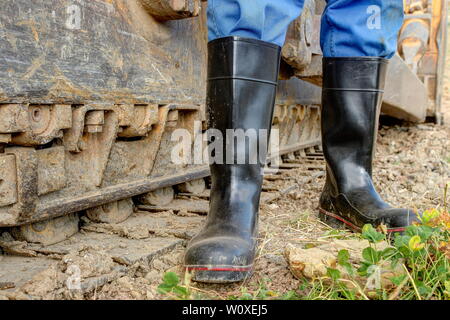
150	232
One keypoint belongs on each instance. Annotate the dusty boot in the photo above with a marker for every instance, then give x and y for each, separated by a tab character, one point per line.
242	80
351	99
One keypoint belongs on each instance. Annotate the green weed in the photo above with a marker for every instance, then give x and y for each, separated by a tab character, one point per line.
423	252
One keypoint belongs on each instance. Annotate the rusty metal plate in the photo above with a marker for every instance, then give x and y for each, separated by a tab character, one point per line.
97	50
8	180
405	96
13	118
51	171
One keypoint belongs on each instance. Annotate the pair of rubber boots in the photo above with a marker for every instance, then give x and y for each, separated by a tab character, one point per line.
241	90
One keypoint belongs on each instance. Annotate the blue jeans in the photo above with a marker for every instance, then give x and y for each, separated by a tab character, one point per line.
349	28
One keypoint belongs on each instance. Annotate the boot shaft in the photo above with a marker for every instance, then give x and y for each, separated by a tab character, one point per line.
351	101
354	73
241	90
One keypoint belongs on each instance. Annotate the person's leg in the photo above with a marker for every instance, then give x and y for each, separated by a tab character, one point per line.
243	61
265	20
363	28
357	37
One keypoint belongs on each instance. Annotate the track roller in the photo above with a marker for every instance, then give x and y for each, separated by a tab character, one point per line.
49	231
113	212
158	197
197	186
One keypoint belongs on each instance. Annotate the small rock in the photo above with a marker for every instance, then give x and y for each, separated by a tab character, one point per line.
153	276
159	265
295	195
314	262
423	127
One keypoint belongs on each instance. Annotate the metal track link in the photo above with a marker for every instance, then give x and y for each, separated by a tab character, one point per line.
150	232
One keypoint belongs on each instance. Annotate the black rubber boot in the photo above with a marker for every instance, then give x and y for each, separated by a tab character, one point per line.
242	80
351	99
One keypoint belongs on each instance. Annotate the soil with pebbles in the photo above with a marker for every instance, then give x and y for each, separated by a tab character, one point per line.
411	169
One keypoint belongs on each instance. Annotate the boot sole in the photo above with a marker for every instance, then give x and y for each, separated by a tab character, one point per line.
208	274
338	222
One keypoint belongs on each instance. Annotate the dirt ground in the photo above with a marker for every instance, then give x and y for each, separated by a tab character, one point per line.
411	169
